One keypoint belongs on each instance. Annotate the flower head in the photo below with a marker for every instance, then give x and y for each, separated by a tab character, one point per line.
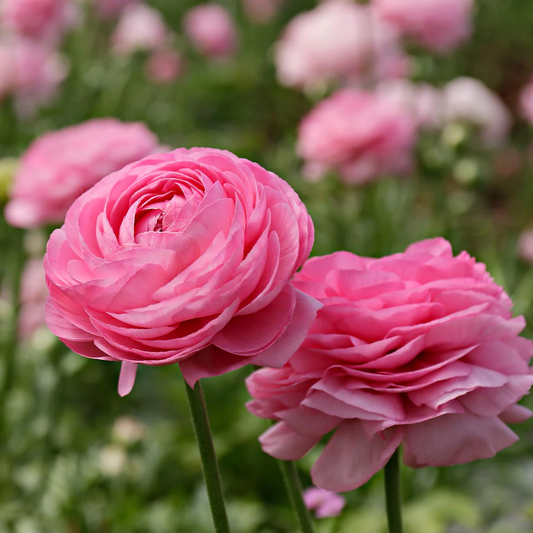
417	348
324	502
183	257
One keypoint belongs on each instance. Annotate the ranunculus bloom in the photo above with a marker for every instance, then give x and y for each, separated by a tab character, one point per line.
183	257
361	134
324	502
440	25
211	29
164	66
61	165
331	41
261	11
140	28
417	348
468	100
37	19
112	8
33	295
526	102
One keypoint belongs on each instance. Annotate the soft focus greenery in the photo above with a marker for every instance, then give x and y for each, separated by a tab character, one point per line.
77	458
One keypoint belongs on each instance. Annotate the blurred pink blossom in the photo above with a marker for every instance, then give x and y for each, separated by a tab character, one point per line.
112	8
526	101
361	134
331	41
44	20
261	11
33	295
164	66
468	100
140	28
525	245
212	30
440	25
325	502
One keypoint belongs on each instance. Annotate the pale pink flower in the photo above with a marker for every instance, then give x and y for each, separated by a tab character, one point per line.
468	100
525	245
418	348
112	8
140	28
164	66
358	133
526	101
33	295
440	25
183	257
61	165
261	11
332	41
44	20
211	30
326	503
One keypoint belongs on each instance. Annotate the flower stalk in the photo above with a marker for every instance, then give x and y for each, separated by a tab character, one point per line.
294	488
209	460
392	493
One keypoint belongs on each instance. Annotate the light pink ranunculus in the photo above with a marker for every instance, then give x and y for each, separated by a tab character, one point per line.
418	348
468	100
361	134
261	11
44	20
526	101
164	66
33	295
140	27
332	41
109	9
440	25
61	165
324	502
211	29
183	257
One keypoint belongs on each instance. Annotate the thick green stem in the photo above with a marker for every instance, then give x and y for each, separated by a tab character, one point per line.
392	493
294	488
208	456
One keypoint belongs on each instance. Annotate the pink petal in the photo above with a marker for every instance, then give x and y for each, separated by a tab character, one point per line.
282	442
126	379
515	414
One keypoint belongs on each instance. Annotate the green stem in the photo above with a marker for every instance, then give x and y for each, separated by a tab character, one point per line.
294	488
208	456
392	493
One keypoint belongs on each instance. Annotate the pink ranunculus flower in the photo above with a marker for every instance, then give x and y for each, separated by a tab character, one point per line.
526	101
440	25
211	30
44	20
261	11
332	41
468	100
61	165
361	134
324	502
183	257
418	348
109	9
33	295
140	27
164	66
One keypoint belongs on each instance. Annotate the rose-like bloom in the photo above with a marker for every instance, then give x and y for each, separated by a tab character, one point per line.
211	30
440	25
361	134
261	11
164	66
38	19
109	9
183	257
526	102
324	502
468	100
334	40
61	165
140	28
417	348
33	295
